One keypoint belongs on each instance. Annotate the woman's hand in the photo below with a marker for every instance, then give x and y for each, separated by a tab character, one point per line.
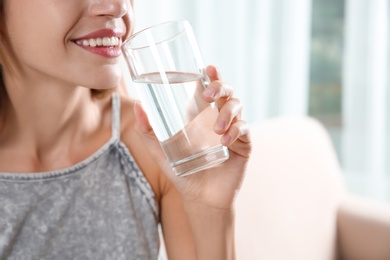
215	187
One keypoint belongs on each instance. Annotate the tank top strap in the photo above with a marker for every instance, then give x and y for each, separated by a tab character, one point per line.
116	116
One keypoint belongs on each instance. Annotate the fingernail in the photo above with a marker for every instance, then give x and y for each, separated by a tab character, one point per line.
210	92
220	125
226	139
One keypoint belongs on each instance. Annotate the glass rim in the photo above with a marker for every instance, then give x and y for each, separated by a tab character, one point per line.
134	35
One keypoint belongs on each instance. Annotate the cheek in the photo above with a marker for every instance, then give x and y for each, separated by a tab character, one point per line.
34	27
129	20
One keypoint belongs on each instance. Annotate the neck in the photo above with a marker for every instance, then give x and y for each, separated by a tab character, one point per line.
47	117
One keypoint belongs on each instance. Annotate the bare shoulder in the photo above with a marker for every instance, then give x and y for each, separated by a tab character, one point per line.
131	138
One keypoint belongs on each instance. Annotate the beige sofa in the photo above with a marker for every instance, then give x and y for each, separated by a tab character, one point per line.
293	204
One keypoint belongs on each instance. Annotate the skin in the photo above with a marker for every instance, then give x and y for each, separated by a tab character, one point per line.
52	114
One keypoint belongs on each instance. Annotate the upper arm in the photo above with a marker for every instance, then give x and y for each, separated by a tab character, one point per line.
174	222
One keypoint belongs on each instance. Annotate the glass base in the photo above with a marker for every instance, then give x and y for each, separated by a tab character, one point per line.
198	162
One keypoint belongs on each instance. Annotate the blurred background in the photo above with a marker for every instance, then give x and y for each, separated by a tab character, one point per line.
328	59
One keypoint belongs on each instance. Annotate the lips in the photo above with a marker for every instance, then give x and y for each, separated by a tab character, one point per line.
105	42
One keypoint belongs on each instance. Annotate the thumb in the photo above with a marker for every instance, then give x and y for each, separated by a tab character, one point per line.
149	138
213	73
142	119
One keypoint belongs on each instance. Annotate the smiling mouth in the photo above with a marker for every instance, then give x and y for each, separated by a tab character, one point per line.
100	42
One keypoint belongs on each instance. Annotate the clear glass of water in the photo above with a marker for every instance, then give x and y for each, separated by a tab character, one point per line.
168	73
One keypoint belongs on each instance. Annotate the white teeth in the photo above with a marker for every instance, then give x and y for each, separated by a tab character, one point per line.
114	41
92	42
106	41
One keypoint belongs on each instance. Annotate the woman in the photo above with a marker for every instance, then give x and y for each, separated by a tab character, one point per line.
81	172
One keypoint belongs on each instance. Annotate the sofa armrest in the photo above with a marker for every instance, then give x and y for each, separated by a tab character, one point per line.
363	229
288	204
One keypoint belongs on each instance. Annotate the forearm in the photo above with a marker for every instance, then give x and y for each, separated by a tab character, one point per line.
213	231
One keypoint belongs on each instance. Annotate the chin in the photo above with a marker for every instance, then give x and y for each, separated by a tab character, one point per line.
105	81
103	85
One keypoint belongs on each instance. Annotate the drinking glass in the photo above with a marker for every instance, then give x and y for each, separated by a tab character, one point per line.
168	73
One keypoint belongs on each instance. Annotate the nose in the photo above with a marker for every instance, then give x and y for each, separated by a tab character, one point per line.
111	8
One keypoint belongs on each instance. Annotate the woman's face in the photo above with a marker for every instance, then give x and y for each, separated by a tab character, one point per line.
75	42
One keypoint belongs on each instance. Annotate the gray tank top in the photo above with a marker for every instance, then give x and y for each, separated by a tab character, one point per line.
100	208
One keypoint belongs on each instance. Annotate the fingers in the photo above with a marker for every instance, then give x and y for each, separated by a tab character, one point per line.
217	90
237	131
229	113
228	123
213	73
